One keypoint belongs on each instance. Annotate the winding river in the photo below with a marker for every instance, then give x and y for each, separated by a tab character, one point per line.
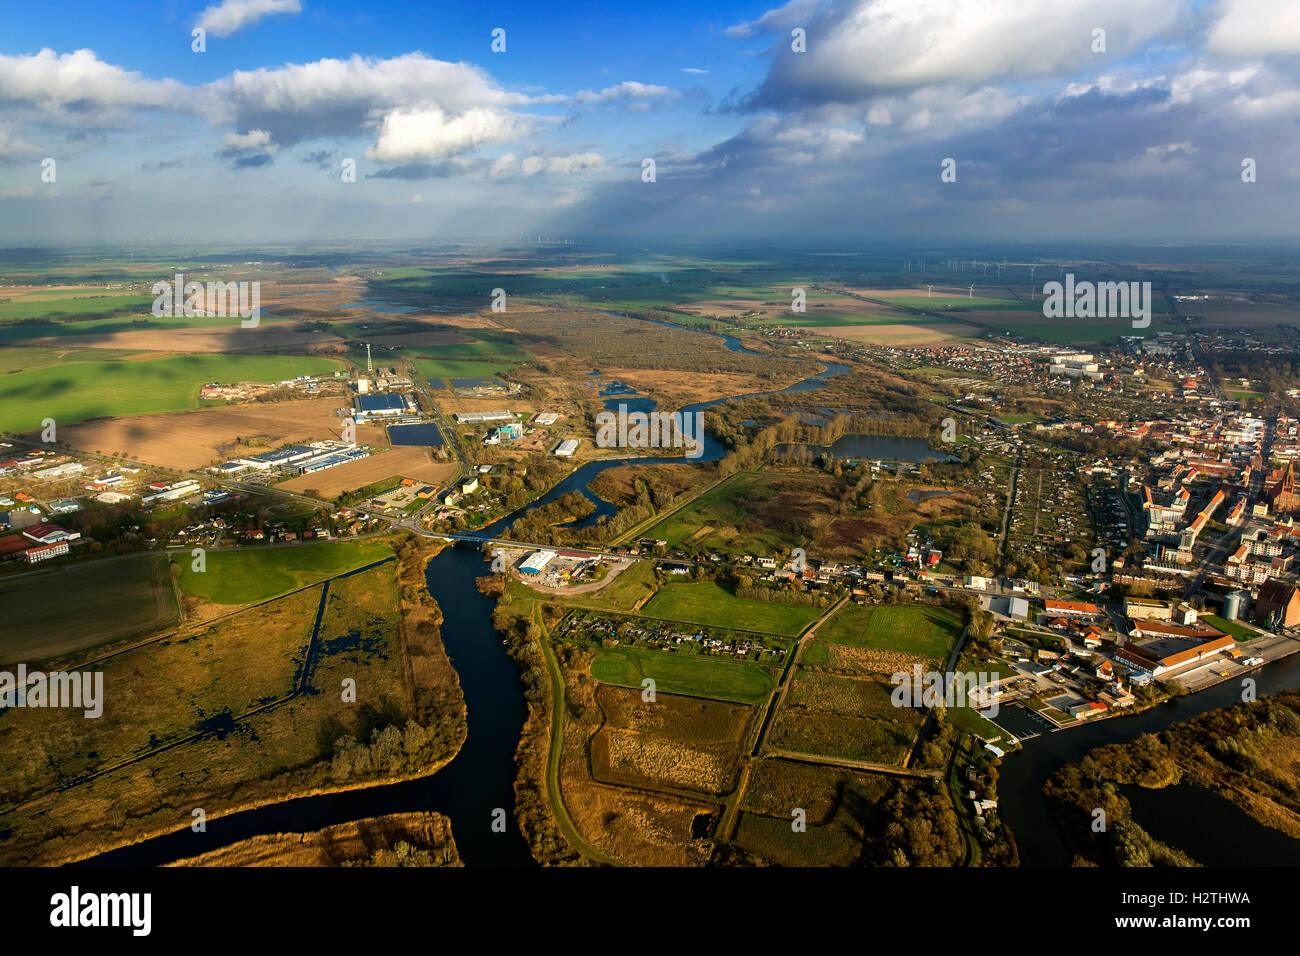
479	781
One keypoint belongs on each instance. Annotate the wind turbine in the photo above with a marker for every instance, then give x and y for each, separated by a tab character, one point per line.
970	293
1031	273
929	291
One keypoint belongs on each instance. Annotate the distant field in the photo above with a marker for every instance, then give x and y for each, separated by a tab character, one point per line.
951	301
706	602
257	574
47	614
910	628
59	304
675	673
79	390
460	368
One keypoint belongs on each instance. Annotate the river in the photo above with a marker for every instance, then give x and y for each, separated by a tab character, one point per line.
480	779
1020	782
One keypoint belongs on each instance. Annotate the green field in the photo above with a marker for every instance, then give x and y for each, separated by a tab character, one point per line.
257	574
909	628
433	368
82	389
706	602
72	305
950	301
1234	628
735	516
675	673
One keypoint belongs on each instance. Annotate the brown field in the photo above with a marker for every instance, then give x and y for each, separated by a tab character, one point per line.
902	334
358	842
640	828
1231	313
226	338
675	389
837	802
618	485
196	439
777	786
408	461
681	742
839	716
452	404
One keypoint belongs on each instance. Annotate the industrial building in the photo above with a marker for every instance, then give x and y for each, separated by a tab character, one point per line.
480	418
328	459
276	459
567	447
537	562
182	489
369	407
1163	656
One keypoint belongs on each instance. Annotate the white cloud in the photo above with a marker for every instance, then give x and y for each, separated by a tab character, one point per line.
562	165
503	166
627	90
331	97
418	135
51	81
253	139
223	19
861	47
695	70
1255	28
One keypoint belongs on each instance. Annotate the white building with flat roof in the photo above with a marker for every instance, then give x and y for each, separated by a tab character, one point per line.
537	561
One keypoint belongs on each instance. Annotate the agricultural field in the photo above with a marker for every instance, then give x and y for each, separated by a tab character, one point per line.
52	614
81	389
675	742
844	717
837	802
236	683
838	703
675	673
707	602
250	575
192	440
751	512
913	629
444	368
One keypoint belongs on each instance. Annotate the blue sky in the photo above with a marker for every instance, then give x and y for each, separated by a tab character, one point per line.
1053	138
